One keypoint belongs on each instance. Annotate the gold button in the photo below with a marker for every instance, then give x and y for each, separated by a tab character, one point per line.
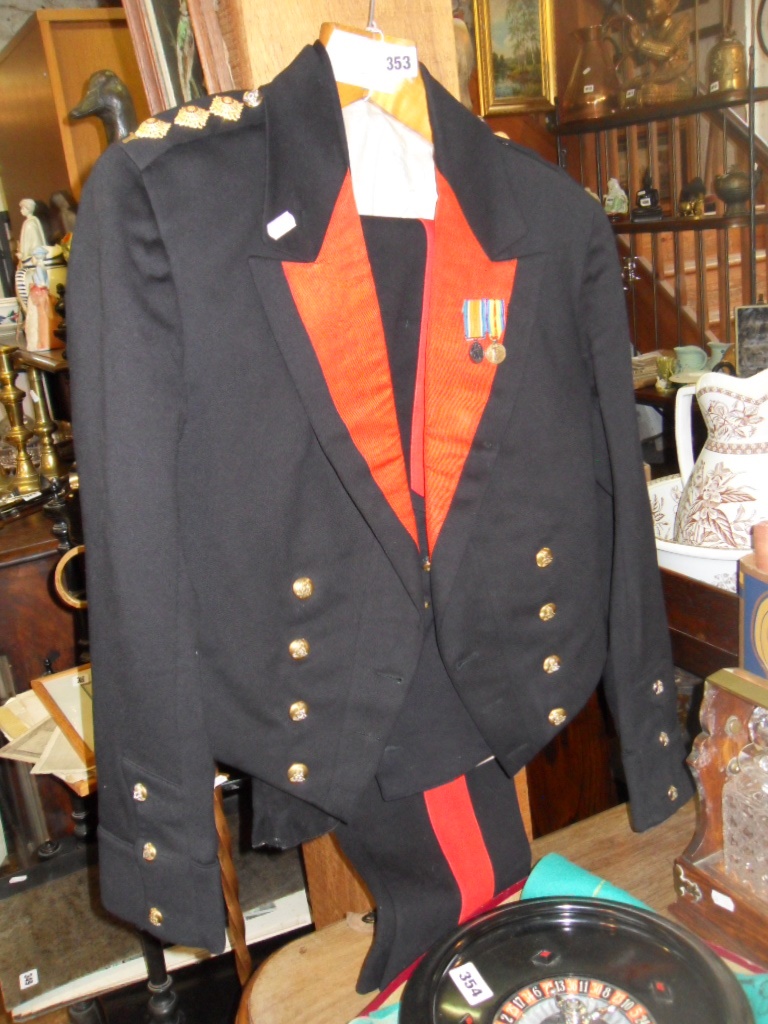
426	565
303	588
426	604
155	917
544	558
658	687
664	739
551	664
672	792
298	710
149	852
140	792
547	612
299	648
298	773
557	716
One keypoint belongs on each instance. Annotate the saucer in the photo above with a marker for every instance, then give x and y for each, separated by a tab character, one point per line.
687	378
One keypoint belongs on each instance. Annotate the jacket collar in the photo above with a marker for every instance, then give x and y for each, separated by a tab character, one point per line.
307	160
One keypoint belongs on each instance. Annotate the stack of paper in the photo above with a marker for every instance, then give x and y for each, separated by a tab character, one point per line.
36	739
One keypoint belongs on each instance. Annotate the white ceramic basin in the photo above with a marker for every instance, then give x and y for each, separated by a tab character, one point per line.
716	566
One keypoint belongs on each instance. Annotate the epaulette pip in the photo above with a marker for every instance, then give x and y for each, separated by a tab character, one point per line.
195	116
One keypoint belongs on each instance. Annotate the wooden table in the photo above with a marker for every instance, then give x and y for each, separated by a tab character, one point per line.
319	971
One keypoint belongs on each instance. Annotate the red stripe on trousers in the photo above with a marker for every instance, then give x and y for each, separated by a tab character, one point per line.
458	832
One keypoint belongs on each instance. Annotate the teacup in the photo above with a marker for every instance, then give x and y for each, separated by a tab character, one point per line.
690	358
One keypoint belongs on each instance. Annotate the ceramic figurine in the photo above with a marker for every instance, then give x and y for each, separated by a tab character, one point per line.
37	326
616	202
64	215
32	234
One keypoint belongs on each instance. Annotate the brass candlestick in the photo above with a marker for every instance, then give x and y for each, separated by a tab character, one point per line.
26	480
45	427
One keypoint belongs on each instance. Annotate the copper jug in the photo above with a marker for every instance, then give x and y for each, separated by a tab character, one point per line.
593	88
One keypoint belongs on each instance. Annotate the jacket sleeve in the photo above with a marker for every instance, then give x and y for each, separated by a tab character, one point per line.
638	677
157	840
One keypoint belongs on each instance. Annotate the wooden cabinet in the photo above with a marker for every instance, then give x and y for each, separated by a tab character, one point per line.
43	74
35	626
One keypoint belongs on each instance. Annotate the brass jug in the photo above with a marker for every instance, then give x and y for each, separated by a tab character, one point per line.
727	65
593	88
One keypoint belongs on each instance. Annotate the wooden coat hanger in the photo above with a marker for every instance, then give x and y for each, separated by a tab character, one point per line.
408	104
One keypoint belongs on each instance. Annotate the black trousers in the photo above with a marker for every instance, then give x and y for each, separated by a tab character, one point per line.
432	860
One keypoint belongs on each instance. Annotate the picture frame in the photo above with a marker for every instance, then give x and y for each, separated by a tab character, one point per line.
751	339
166	52
515	41
68	698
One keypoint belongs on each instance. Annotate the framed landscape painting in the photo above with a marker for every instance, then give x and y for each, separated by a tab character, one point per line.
515	55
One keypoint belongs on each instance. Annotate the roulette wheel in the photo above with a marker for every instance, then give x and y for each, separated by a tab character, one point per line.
572	961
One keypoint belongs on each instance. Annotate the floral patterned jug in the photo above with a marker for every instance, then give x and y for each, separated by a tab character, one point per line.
726	492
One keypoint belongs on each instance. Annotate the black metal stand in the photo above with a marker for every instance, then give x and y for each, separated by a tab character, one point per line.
163	1001
88	1012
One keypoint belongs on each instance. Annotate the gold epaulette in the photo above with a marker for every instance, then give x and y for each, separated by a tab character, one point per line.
227	108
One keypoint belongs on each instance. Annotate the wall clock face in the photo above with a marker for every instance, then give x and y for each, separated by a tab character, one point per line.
552	961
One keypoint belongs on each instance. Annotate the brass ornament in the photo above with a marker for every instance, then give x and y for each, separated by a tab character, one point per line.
495	353
27	479
192	117
252	98
153	128
727	65
227	107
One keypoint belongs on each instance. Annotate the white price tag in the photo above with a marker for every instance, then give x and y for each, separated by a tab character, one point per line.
721	900
371	63
714	87
589	89
470	983
29	979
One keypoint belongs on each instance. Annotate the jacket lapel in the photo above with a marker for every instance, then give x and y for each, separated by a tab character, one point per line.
336	299
457	390
317	288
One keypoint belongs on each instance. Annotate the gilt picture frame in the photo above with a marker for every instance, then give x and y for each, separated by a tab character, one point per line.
515	41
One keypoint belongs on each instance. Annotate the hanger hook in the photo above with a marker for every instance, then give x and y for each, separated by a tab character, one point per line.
372	26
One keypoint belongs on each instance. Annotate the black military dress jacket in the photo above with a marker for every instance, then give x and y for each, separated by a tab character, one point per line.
256	574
